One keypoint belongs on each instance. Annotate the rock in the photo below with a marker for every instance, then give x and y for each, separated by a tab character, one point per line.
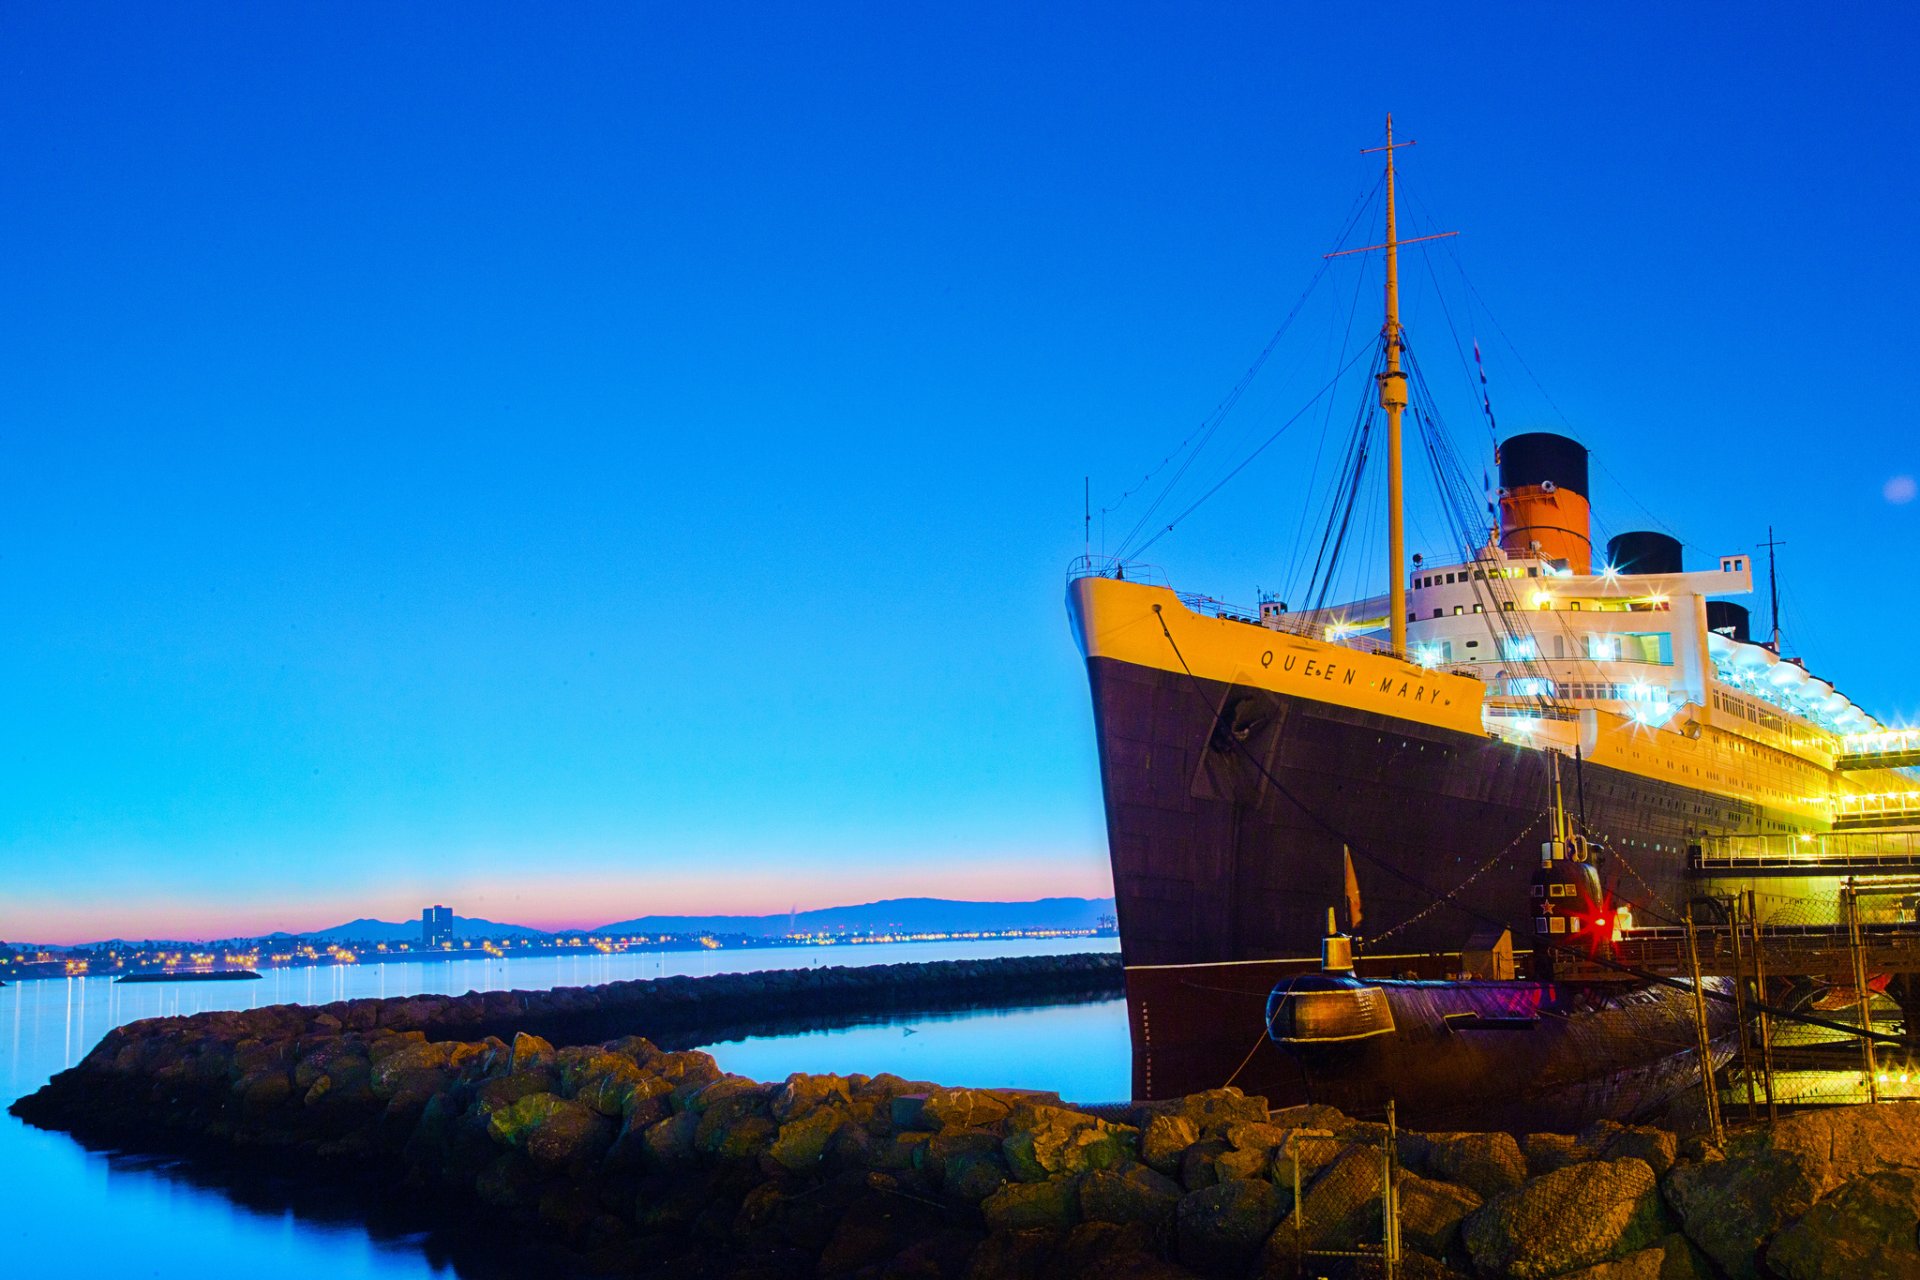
1312	1115
1197	1168
1545	1152
1137	1194
802	1143
552	1130
973	1176
803	1094
392	1067
1731	1205
1867	1229
1609	1141
1020	1206
606	1082
1242	1164
670	1141
530	1053
1570	1218
1217	1110
1015	1255
1431	1212
1340	1210
970	1108
1257	1137
1489	1163
1111	1251
1220	1228
1046	1140
1672	1259
1165	1140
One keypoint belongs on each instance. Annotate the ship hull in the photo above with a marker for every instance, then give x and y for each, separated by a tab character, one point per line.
1238	765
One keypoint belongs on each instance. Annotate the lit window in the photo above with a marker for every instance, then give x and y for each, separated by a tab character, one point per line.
1457	611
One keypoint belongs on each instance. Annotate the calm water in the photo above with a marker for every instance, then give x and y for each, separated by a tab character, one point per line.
89	1214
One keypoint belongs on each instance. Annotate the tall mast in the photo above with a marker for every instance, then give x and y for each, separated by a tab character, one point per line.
1773	586
1393	398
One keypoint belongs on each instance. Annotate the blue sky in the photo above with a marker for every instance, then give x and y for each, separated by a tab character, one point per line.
573	463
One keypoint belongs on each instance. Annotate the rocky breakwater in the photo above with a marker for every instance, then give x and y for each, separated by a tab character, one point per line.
625	1158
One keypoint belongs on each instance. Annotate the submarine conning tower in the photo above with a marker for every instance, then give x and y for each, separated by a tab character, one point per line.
1543	499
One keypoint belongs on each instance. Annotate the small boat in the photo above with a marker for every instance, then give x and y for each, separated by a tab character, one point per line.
191	975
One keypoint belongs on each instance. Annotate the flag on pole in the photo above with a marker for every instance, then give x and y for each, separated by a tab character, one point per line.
1353	892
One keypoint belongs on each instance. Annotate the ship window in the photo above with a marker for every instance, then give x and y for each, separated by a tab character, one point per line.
1473	644
1457	611
1574	605
1507	607
1479	608
1449	577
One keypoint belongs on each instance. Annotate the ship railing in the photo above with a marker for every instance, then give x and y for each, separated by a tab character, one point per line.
1530	711
1810	850
1117	568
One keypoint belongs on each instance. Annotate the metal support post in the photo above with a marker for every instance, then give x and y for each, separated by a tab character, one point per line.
1707	1086
1390	1196
1760	997
1856	944
1740	999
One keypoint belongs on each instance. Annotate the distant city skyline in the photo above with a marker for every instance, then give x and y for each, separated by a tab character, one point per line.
626	460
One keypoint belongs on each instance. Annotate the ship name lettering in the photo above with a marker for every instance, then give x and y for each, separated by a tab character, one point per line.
1351	673
1287	663
1266	659
1309	669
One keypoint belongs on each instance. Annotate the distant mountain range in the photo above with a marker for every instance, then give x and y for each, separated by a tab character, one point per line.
907	915
368	930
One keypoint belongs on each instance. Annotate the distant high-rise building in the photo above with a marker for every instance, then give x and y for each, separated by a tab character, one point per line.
436	926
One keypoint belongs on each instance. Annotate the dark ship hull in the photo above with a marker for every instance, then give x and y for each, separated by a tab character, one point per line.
1228	805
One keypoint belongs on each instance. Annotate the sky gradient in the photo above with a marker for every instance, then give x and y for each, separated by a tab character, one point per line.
581	463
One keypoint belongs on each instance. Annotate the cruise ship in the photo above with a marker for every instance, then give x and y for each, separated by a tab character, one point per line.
1392	755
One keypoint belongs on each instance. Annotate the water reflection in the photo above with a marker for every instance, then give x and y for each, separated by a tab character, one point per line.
173	1218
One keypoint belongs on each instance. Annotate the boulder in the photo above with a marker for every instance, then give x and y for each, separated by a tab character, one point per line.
1570	1218
1217	1110
1431	1212
803	1094
530	1053
607	1082
1136	1194
1490	1163
1672	1259
1545	1152
1731	1204
1607	1140
1197	1168
1311	1115
394	1066
1022	1206
1044	1140
1339	1210
1220	1228
670	1141
1242	1164
1165	1140
973	1176
552	1130
801	1144
1867	1229
971	1108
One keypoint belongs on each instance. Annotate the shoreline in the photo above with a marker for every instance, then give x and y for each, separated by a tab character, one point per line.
626	1157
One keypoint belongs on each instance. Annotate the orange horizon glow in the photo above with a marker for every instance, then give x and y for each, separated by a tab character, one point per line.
541	904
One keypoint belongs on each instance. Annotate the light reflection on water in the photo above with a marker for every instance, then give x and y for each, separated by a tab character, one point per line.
59	1195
